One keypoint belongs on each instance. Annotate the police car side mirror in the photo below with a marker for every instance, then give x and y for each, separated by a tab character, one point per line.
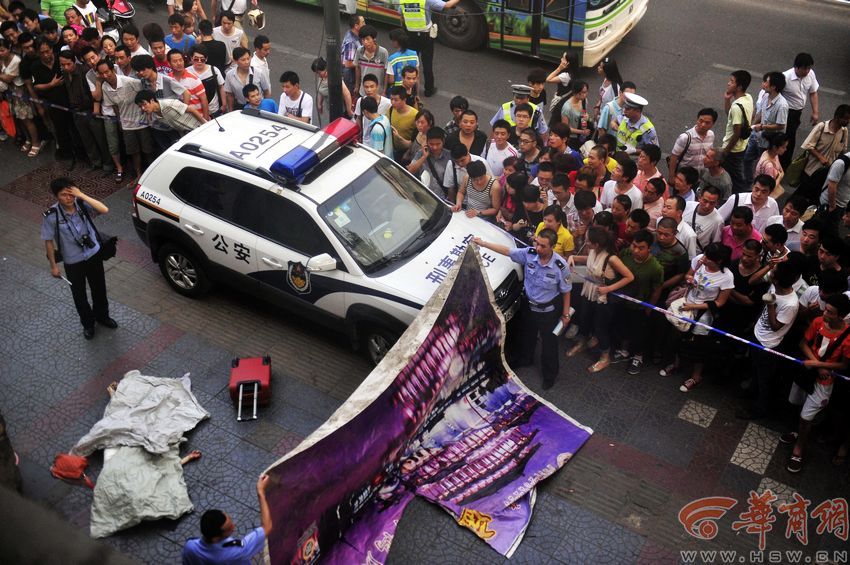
321	263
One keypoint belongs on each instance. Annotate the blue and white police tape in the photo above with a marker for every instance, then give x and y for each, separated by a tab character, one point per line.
734	337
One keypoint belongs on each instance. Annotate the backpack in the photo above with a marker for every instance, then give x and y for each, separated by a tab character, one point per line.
71	468
746	130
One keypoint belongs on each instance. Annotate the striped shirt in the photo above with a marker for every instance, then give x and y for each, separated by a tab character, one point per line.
696	149
478	199
374	65
174	113
193	84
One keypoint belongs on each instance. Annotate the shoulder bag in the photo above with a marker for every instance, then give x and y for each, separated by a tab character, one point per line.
794	170
108	243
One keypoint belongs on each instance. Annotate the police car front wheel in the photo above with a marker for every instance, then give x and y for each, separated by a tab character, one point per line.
183	271
378	342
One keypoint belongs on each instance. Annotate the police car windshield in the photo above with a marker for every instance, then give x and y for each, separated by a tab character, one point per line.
383	216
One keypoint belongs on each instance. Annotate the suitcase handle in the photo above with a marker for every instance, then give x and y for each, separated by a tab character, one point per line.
239	406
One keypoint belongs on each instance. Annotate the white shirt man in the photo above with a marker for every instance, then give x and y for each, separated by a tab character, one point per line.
705	220
760	216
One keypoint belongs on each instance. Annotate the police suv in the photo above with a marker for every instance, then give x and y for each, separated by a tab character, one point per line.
308	219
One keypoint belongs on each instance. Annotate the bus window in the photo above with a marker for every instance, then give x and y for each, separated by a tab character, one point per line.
519	5
558	9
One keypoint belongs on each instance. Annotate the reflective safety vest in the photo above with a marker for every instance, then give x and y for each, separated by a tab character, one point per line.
398	65
506	114
413	12
627	137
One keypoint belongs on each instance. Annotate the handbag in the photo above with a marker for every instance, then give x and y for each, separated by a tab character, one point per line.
108	243
794	170
71	468
6	118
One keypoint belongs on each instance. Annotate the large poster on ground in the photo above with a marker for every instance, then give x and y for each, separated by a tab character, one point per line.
441	417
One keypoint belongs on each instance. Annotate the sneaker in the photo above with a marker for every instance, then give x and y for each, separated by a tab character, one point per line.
669	370
572	331
788	438
619	356
795	464
635	366
3	136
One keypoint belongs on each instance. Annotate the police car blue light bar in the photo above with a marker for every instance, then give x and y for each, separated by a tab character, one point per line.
295	164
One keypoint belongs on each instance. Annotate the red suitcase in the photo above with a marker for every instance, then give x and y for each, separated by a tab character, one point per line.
250	380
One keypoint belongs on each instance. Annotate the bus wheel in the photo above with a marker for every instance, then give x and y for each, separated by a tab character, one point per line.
463	27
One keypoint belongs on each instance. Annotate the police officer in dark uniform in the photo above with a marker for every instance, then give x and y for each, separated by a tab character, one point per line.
547	299
421	32
68	224
218	544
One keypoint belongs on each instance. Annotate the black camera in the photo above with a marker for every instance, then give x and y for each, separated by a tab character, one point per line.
86	242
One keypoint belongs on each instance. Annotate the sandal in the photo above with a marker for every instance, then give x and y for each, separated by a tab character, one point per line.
26	146
688	385
576	349
669	370
118	176
36	149
795	464
598	366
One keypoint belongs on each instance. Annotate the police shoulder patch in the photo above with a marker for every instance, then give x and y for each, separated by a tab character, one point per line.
48	212
232	543
560	264
531	251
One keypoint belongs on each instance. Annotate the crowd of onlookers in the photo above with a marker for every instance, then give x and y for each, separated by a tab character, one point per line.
701	235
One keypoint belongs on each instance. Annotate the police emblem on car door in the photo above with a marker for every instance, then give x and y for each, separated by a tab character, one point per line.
298	277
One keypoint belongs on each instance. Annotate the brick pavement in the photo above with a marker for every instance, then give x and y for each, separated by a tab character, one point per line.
654	450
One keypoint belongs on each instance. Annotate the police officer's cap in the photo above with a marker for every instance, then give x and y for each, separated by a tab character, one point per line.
635	101
522	90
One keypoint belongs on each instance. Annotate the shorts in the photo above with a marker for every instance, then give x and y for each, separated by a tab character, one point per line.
812	403
138	139
113	141
21	109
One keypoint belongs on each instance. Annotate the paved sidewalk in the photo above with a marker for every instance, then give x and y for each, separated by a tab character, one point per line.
654	450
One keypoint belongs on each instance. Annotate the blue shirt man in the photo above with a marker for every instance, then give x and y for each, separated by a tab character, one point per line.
547	290
73	230
218	544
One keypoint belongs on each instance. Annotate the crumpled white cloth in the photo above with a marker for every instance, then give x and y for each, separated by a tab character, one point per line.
149	412
141	431
135	485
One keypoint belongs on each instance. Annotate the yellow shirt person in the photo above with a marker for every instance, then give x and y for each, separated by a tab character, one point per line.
565	245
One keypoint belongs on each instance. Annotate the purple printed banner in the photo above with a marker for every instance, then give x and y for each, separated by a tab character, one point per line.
441	417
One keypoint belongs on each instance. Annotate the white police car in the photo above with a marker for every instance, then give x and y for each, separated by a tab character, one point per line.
308	219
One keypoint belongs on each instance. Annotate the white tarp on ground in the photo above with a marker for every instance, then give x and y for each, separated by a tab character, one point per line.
141	431
135	485
149	412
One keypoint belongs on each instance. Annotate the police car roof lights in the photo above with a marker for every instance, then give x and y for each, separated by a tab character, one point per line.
295	164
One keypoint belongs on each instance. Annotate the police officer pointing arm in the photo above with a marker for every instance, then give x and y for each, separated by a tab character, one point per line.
218	544
547	299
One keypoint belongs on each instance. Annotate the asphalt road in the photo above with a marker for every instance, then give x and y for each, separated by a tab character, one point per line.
679	55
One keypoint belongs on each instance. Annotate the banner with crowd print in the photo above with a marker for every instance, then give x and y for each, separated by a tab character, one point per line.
441	417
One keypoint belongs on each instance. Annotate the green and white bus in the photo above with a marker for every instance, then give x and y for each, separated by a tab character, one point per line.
586	30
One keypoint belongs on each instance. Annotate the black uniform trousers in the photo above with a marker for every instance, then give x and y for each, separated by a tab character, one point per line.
423	43
90	270
542	323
